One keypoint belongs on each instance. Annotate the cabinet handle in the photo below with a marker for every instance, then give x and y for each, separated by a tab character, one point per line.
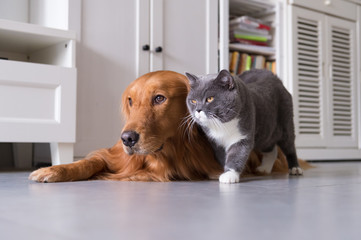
145	47
158	49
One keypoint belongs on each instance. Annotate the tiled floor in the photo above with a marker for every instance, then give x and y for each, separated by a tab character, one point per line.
323	204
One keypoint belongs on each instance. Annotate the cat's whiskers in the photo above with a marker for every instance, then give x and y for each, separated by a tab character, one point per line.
188	122
185	121
185	124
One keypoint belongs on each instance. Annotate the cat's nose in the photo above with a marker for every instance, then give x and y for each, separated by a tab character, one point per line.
196	114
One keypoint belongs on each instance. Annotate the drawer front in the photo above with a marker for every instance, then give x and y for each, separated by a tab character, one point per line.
338	8
37	102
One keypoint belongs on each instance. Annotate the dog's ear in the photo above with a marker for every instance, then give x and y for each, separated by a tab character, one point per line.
225	79
192	78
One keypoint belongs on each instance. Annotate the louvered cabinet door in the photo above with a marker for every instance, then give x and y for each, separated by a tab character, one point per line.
341	82
308	88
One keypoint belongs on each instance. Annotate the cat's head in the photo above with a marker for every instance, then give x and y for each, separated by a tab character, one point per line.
212	96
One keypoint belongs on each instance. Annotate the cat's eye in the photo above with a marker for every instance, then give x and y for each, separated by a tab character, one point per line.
210	99
193	101
130	101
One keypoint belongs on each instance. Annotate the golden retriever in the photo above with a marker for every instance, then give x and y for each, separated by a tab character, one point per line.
157	143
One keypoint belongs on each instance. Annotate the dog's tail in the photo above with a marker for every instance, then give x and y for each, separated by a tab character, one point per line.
281	165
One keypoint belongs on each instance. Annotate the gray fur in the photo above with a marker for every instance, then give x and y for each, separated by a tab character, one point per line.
263	106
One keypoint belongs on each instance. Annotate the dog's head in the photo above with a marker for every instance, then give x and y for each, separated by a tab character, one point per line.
153	107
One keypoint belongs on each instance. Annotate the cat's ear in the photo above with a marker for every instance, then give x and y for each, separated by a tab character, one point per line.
225	79
192	78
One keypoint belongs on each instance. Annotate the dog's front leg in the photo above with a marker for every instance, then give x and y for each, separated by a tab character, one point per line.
80	170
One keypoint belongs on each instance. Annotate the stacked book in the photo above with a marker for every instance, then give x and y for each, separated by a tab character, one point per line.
240	62
247	30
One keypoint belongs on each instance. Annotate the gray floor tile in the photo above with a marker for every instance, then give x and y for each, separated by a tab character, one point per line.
325	203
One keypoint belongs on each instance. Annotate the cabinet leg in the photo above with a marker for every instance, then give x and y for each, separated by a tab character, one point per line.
61	153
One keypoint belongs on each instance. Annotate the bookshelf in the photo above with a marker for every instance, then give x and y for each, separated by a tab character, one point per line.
266	11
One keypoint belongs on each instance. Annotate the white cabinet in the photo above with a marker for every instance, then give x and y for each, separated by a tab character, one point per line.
38	75
174	30
324	79
111	55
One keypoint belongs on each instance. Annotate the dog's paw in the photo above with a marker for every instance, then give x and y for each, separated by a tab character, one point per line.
230	176
49	174
295	171
264	169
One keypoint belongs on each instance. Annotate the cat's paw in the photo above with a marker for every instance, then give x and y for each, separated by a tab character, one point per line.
230	176
295	171
264	169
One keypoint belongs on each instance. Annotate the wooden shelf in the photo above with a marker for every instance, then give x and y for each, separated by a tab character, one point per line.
268	51
25	38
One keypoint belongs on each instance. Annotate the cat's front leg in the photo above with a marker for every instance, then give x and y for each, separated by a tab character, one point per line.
229	176
236	159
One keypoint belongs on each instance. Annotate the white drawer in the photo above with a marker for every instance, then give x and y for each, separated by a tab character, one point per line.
37	102
338	8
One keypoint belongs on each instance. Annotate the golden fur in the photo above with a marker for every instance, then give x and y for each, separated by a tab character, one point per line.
167	148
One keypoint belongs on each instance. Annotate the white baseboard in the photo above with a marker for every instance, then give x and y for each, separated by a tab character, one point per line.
320	154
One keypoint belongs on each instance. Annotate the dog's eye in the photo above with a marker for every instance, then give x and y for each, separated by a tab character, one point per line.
130	101
159	99
193	101
210	99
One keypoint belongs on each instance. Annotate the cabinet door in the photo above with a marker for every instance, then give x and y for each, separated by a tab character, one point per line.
110	56
307	49
341	82
187	31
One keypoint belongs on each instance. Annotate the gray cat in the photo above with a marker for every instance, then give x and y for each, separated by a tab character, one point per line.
238	114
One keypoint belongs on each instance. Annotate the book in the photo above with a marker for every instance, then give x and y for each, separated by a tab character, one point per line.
253	37
271	66
248	63
243	66
274	67
250	22
250	30
233	65
259	62
238	31
248	42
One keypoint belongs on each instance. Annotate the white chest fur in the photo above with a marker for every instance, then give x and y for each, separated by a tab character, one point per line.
225	134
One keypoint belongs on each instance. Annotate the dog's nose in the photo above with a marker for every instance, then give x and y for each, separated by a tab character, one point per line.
130	138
